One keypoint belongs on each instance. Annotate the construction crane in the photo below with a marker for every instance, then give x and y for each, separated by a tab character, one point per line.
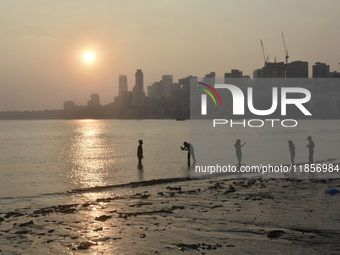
264	57
284	45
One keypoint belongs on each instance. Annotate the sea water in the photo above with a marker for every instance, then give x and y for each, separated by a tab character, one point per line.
49	162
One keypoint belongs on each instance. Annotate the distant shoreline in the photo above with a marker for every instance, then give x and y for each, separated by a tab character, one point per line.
66	115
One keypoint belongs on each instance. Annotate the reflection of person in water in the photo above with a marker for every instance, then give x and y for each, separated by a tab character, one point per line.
188	147
238	147
140	152
311	149
292	151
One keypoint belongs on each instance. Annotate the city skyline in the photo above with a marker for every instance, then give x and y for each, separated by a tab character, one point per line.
166	87
41	44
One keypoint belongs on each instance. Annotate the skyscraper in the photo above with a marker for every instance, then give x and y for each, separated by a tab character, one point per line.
297	69
320	70
138	89
123	87
167	85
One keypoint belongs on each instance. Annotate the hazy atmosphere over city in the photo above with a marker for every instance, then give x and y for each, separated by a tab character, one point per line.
44	42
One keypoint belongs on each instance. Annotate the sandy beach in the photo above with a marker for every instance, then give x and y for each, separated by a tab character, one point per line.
209	216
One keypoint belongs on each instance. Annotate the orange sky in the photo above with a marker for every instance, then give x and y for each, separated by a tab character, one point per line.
42	43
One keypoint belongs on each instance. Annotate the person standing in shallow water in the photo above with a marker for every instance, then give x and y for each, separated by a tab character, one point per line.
310	146
238	147
140	152
292	151
188	147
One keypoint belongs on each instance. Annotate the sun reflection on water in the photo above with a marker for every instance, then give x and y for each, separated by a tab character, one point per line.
88	154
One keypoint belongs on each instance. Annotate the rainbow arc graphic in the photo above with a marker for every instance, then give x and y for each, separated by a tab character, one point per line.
209	93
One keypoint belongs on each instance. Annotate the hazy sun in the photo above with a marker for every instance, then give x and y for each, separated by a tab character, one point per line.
89	56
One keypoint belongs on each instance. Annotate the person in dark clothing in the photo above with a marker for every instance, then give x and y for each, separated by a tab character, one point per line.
188	147
140	152
238	147
292	151
310	146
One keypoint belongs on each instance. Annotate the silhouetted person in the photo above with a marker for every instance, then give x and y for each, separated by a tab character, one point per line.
311	149
140	152
238	147
188	147
292	151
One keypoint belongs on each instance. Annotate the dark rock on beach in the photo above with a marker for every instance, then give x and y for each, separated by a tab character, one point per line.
13	214
26	223
189	246
275	233
22	232
86	245
103	218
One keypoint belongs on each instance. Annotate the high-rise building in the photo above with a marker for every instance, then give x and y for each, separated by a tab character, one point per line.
185	82
275	70
334	74
156	90
167	85
120	100
210	78
138	89
235	73
69	105
297	69
257	73
176	87
271	70
95	101
126	99
123	87
320	70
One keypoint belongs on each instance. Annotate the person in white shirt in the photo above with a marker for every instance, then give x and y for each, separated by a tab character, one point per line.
188	147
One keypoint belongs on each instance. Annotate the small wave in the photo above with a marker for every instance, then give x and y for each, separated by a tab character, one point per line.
100	188
33	196
130	184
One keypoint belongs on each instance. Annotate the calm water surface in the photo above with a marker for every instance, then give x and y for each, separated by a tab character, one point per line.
41	160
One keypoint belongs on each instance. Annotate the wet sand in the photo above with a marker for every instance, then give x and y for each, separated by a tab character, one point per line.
211	216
